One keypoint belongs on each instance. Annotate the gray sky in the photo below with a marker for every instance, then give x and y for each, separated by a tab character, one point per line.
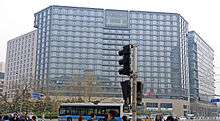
203	16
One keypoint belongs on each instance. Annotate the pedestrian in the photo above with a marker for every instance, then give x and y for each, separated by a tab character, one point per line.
170	118
111	116
22	118
33	118
158	118
148	118
6	118
106	117
176	119
80	118
14	117
124	118
93	117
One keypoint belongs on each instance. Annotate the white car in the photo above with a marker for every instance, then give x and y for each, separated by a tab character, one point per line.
165	117
182	118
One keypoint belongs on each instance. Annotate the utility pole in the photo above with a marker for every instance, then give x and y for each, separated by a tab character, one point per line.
134	76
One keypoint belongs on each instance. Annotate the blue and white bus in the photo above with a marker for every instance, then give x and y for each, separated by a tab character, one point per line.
72	111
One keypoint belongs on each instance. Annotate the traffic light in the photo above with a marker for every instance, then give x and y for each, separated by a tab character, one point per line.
126	60
126	91
139	93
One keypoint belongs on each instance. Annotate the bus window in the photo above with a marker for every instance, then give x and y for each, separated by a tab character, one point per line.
65	111
90	110
62	111
115	109
100	111
74	111
82	110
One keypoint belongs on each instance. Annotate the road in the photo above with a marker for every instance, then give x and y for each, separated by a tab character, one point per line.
47	119
201	120
180	120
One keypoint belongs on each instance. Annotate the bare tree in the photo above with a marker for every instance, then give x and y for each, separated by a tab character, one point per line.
92	86
76	84
16	103
4	102
83	86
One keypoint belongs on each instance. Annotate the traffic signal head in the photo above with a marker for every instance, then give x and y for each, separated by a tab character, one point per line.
126	50
139	92
126	60
126	91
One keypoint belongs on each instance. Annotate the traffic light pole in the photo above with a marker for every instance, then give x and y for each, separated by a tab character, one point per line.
134	77
129	62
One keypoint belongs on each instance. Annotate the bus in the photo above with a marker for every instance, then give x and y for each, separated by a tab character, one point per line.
72	111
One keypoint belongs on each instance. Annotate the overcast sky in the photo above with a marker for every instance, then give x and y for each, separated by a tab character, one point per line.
17	17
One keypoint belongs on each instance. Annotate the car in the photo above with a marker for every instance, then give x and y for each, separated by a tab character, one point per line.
190	116
165	117
153	116
182	118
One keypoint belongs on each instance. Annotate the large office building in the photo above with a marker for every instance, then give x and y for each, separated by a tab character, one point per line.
20	62
201	57
201	76
73	40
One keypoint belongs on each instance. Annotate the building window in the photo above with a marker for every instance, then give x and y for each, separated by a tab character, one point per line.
152	105
166	105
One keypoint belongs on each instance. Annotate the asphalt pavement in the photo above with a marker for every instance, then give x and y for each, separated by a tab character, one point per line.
202	120
180	120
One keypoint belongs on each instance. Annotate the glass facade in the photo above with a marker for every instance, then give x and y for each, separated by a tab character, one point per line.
193	68
161	53
201	57
72	40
